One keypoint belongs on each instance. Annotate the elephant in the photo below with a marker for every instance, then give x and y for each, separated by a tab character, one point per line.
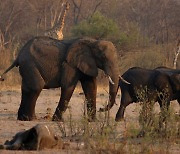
157	83
36	138
46	63
170	72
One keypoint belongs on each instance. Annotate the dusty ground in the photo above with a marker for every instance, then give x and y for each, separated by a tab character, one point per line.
47	102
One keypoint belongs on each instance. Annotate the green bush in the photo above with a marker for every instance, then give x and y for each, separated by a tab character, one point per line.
97	26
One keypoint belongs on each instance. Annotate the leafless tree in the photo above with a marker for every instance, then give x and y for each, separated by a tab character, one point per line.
7	21
80	8
176	54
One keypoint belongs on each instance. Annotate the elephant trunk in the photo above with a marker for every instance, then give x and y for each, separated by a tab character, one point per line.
113	88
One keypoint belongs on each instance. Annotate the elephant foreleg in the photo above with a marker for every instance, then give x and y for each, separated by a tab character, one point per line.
125	101
90	90
66	94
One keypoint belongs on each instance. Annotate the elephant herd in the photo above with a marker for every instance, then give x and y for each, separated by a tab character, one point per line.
49	63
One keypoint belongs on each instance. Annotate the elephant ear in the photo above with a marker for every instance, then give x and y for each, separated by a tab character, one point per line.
80	56
69	75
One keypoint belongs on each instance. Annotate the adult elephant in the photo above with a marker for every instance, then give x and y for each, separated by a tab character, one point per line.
49	63
154	83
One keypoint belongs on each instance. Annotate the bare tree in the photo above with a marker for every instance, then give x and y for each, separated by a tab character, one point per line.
81	9
157	20
48	13
77	10
176	54
8	20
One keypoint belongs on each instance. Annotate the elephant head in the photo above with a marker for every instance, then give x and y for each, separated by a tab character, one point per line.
86	56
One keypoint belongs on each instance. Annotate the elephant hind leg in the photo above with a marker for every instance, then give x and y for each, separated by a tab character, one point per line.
26	110
32	85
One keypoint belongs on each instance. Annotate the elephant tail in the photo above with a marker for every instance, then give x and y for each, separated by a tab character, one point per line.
15	63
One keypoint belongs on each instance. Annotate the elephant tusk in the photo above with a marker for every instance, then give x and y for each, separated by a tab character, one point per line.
1	78
121	78
110	80
47	129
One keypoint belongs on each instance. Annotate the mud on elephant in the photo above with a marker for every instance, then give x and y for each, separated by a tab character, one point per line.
156	84
48	63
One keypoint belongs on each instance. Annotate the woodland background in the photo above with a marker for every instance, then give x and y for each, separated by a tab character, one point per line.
145	32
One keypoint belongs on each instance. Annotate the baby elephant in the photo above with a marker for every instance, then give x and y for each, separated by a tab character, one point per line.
37	138
156	84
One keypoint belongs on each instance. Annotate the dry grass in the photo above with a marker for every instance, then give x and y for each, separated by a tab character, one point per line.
102	136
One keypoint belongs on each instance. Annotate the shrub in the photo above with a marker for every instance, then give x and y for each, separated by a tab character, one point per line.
97	26
164	126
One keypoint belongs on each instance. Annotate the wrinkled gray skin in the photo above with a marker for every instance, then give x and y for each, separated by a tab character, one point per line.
48	63
37	138
158	84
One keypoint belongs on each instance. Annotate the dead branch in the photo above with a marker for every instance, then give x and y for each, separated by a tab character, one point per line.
97	5
77	10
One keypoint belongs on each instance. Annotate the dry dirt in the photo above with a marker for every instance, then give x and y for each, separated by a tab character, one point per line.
47	102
